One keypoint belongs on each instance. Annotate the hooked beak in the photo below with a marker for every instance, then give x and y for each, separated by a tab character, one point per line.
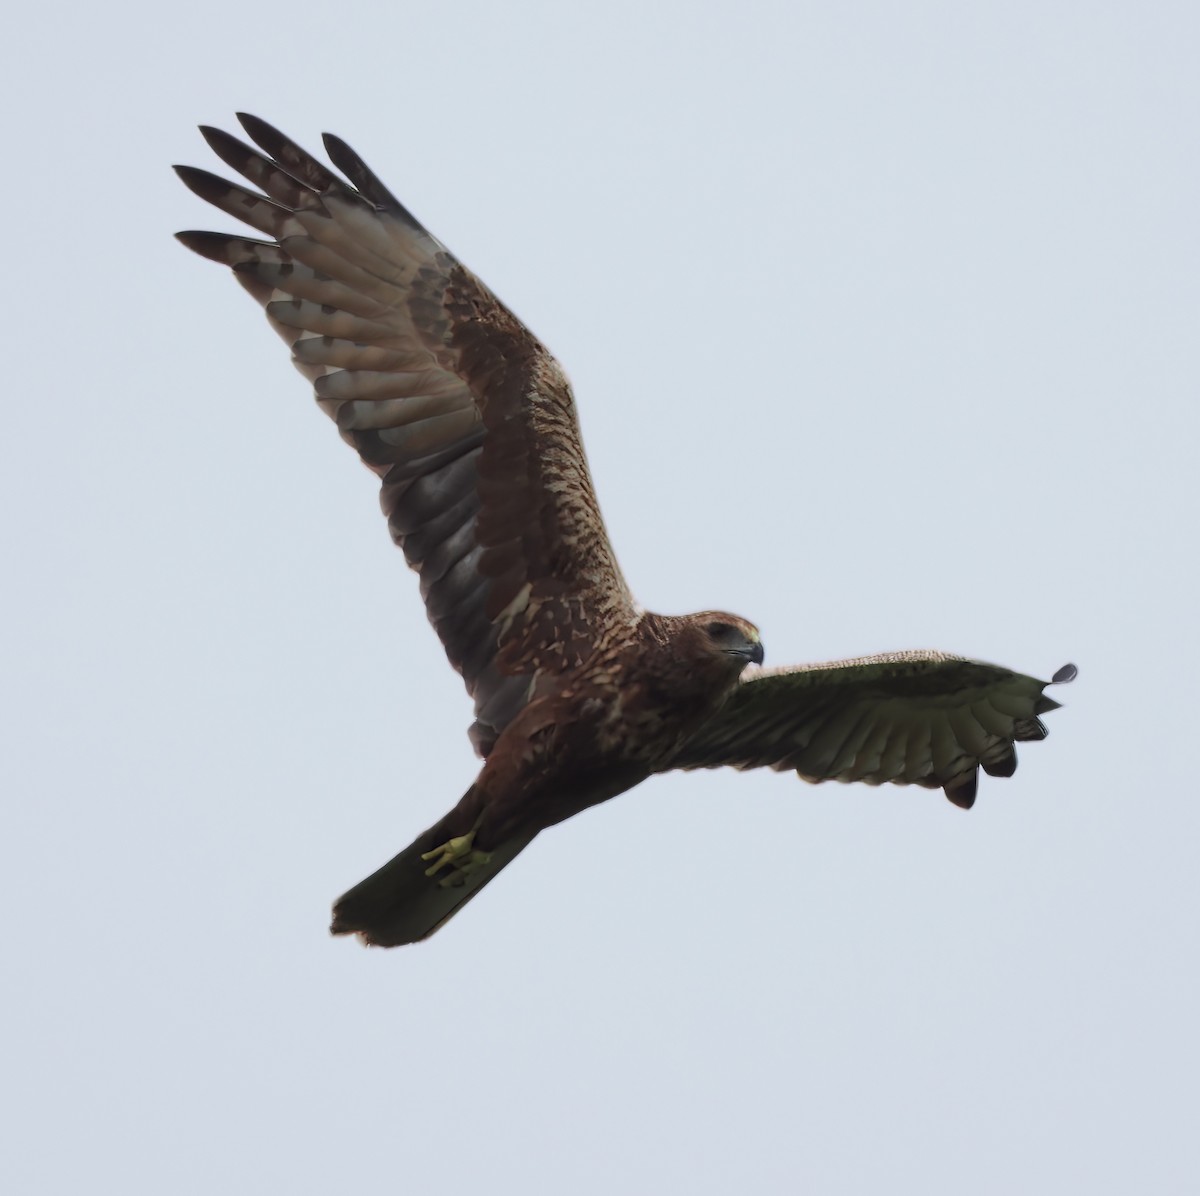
752	652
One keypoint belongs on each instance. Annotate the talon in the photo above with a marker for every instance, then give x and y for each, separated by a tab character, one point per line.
448	852
460	856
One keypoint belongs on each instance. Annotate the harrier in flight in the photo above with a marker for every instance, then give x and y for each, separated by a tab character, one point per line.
579	694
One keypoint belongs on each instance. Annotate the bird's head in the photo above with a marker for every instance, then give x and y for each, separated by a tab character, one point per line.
727	640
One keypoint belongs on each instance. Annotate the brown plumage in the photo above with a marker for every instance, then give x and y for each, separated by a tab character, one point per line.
579	695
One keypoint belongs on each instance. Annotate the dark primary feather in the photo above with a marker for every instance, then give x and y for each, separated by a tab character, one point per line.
464	416
910	718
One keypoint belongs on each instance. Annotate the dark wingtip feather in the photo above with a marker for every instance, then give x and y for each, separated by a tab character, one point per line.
358	172
1029	730
212	134
262	134
232	198
1004	766
296	161
210	245
365	179
962	793
226	146
201	182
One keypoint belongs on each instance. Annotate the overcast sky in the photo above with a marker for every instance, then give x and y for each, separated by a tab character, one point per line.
882	320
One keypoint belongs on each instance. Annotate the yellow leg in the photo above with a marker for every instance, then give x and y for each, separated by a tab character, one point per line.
460	856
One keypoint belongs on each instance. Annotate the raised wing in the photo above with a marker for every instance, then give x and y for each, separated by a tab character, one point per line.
911	718
446	395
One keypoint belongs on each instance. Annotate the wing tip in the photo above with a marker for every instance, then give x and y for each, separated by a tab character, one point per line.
192	176
1003	765
367	182
962	793
206	244
255	125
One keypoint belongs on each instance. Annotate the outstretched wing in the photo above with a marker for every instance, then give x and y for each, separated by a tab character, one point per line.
912	718
446	395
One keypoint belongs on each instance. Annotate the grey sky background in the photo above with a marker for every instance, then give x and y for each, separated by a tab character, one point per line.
882	320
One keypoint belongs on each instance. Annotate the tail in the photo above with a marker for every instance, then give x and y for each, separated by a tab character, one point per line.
401	903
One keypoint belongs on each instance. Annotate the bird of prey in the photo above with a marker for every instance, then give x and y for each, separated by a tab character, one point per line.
579	694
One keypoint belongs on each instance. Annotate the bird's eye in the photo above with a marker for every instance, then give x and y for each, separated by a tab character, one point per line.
718	630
